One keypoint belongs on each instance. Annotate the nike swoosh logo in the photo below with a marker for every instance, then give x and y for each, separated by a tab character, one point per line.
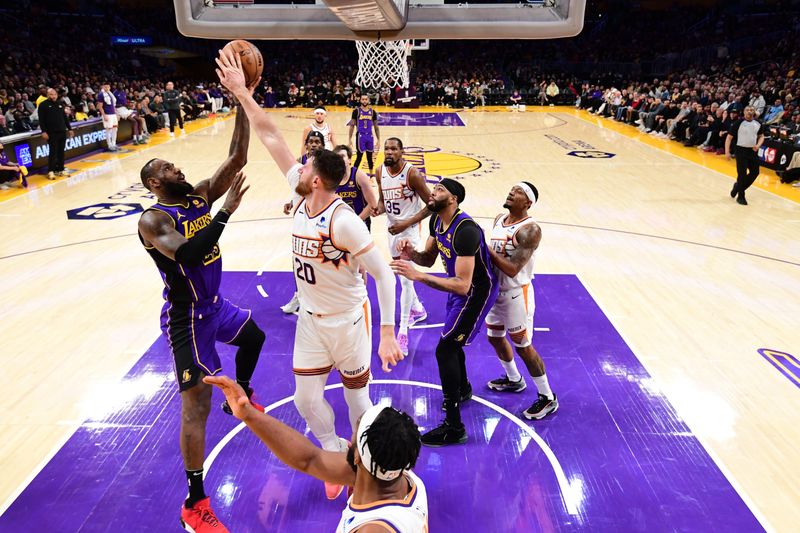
515	297
357	321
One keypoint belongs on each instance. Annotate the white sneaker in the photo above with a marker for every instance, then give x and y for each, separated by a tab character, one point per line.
292	306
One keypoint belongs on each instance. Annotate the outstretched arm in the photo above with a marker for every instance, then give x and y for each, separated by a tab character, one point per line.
528	238
216	186
232	77
292	448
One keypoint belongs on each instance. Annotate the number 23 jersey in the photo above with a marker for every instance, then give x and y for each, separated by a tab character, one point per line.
324	245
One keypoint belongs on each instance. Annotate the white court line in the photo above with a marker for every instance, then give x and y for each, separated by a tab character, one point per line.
714	457
262	291
572	504
426	326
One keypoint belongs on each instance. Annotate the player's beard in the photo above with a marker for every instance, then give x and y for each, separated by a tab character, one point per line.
506	206
389	162
177	188
435	206
303	189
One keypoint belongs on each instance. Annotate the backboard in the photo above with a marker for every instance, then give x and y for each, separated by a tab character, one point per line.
403	19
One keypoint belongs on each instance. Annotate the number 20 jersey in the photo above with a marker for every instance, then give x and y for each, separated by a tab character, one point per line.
328	281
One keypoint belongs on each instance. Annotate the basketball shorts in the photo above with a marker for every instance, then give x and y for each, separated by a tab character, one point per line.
412	234
465	314
342	341
366	143
512	312
110	121
192	332
124	113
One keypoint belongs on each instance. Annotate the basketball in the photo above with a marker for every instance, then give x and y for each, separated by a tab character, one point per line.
252	62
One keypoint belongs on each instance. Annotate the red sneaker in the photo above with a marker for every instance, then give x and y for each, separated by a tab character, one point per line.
201	519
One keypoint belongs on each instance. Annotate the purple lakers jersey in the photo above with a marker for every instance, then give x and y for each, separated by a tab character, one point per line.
365	117
352	194
483	275
182	283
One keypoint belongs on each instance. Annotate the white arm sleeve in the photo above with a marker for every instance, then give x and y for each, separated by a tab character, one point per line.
384	282
351	234
293	176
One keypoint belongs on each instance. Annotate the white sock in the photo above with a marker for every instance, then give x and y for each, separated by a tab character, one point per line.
406	300
114	136
109	137
511	370
417	304
543	386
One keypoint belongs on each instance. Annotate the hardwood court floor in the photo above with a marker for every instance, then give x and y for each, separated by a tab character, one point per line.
693	282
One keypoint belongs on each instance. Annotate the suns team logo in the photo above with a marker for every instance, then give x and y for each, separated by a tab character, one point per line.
321	248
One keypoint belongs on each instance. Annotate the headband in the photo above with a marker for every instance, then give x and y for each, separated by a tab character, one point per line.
366	455
314	133
320	110
528	192
455	188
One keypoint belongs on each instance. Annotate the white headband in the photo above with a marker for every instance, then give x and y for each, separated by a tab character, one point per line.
528	192
320	110
366	455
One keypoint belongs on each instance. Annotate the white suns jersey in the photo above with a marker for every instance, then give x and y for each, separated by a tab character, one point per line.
401	201
503	243
406	516
325	130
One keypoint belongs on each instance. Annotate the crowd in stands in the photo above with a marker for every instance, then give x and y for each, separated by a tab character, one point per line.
692	105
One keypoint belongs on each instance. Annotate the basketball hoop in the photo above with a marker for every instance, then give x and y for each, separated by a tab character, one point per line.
382	62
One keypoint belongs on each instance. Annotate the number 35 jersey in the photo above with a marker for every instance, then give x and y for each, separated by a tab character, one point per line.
324	245
400	200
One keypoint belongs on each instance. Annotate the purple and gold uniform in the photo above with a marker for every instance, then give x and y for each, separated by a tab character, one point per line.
353	196
463	237
194	316
365	119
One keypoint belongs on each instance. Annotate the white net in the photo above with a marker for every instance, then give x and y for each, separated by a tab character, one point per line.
382	62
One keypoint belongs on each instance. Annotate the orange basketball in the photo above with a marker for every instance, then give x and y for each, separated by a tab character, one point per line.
252	62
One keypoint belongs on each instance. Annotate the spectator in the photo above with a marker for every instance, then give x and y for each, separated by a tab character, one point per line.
774	114
757	103
55	128
4	131
515	99
11	172
552	92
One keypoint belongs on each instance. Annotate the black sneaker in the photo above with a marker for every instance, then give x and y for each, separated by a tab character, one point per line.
504	384
227	408
445	435
734	190
465	396
542	407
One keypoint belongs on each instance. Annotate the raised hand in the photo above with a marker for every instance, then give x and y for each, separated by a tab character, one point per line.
235	193
237	399
230	72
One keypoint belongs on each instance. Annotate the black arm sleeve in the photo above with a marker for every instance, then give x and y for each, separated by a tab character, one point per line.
200	245
354	115
467	239
432	225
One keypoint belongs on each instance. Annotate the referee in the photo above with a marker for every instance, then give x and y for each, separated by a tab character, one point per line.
746	135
